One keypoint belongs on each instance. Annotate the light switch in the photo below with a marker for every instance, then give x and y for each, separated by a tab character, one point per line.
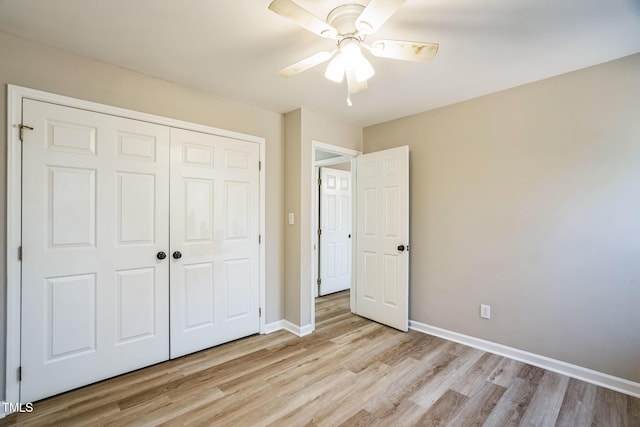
485	311
291	218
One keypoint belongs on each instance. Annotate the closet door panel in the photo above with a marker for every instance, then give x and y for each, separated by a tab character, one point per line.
95	213
214	227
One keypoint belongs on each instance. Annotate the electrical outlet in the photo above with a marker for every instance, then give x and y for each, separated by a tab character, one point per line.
291	218
485	311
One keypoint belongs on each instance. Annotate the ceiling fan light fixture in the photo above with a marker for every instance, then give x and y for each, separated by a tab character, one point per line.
335	69
363	70
355	60
349	25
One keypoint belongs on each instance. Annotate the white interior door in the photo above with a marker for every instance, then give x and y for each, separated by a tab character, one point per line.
214	226
382	281
335	223
95	214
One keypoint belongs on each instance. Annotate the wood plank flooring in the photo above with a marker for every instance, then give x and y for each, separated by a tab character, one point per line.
350	372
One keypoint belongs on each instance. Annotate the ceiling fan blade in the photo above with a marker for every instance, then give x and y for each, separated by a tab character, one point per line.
303	17
405	50
306	63
353	85
375	14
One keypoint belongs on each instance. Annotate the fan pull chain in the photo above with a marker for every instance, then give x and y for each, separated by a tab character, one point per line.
349	103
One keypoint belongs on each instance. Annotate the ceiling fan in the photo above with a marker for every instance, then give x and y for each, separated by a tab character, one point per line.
349	25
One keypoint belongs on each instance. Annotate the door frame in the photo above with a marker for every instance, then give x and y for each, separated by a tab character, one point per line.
13	307
345	153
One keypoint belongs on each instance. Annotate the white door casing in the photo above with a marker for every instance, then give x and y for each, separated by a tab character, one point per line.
382	281
335	223
95	213
214	225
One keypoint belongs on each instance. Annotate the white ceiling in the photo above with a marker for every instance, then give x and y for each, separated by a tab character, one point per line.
234	48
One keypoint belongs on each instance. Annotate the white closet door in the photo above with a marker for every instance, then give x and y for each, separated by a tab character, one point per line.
335	223
214	240
95	214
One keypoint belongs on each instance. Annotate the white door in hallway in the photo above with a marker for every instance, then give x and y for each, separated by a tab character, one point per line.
335	223
95	215
214	240
382	245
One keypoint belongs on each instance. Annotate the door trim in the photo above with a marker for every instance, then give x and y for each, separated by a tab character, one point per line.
345	153
15	96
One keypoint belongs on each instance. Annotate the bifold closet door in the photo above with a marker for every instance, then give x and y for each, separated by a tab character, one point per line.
214	240
97	258
95	215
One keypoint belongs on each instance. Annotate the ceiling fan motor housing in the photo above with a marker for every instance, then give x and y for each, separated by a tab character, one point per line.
343	18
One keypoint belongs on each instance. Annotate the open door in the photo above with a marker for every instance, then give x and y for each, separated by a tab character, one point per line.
382	240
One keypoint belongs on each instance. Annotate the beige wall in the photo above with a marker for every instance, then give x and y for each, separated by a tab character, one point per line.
529	200
40	67
293	138
303	127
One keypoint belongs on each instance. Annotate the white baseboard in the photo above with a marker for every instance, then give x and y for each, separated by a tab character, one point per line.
300	331
273	327
589	375
306	330
279	325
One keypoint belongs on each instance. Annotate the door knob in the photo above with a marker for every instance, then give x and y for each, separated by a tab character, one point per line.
161	255
177	255
401	248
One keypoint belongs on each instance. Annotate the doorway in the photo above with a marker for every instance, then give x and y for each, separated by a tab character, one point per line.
380	231
325	155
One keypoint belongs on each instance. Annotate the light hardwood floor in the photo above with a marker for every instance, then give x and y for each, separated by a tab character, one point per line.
350	372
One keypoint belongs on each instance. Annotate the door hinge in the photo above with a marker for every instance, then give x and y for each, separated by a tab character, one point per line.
319	231
319	281
259	311
20	253
319	182
259	239
19	373
22	128
259	165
